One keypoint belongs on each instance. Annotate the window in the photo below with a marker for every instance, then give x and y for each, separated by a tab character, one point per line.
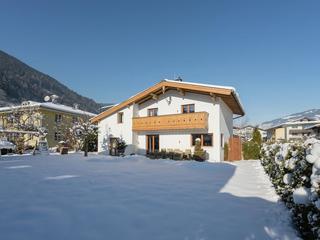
58	118
188	108
57	136
74	119
206	139
120	117
152	112
194	137
222	140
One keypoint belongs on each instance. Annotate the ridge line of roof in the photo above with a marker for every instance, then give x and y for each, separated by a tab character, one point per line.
105	113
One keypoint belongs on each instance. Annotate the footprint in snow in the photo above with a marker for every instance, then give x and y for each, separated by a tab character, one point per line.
18	167
61	177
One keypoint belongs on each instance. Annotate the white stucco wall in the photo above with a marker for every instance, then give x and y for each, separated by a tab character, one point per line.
226	126
109	127
219	121
170	103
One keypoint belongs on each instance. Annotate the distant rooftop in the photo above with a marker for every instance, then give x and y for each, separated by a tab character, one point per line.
49	105
301	121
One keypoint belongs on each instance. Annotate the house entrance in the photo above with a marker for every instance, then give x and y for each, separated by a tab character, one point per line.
152	143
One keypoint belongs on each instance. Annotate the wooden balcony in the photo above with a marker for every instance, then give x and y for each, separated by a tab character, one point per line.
197	120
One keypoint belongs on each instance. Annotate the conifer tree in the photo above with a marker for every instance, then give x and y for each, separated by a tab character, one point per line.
256	136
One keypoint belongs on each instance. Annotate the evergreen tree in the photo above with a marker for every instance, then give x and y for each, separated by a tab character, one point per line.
199	153
256	137
252	148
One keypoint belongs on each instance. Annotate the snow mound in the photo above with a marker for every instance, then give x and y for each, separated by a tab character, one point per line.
61	177
301	196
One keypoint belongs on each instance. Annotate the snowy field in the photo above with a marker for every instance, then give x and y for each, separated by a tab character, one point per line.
99	197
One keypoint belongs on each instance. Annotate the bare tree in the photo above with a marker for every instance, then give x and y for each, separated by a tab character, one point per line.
22	123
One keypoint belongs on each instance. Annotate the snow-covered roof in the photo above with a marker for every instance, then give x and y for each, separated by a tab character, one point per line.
202	84
227	94
317	125
290	123
212	86
49	105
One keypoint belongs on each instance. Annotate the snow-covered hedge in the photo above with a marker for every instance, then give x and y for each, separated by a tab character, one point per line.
294	169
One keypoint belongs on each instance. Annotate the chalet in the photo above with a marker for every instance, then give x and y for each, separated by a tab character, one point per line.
172	115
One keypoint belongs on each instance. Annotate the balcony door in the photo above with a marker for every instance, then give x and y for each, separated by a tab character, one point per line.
152	143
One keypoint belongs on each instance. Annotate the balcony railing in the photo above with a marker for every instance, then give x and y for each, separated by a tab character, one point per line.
197	120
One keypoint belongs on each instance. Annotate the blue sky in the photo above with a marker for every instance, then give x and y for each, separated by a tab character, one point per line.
109	50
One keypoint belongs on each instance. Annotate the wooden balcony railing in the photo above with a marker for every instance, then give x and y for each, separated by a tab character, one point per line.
197	120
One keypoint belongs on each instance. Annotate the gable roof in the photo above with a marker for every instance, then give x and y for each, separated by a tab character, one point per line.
228	95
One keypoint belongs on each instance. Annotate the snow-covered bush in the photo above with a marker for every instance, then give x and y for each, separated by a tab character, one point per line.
294	169
86	134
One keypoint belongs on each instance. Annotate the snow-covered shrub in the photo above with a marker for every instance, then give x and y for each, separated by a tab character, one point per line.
86	134
294	169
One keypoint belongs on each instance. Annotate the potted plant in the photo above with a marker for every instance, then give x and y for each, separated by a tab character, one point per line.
199	153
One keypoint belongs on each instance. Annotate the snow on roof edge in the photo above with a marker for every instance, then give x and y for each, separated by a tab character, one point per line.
50	105
201	84
191	83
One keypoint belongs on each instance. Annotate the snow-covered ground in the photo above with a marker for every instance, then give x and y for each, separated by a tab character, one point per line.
99	197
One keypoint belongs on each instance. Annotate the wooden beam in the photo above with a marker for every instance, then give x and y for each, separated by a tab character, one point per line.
182	92
154	96
213	97
163	89
181	121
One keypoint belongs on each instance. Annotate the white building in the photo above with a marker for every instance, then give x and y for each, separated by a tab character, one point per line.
295	130
171	115
246	132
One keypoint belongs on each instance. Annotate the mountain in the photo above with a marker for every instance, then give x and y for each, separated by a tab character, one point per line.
20	82
312	113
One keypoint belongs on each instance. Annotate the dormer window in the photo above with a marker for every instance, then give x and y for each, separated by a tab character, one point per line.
152	112
188	108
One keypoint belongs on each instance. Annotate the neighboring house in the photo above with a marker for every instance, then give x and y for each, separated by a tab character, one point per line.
105	107
246	132
53	117
172	115
294	130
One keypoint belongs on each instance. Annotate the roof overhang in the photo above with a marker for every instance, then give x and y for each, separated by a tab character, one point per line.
228	95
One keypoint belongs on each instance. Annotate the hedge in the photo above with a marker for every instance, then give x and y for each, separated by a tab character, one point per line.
294	169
